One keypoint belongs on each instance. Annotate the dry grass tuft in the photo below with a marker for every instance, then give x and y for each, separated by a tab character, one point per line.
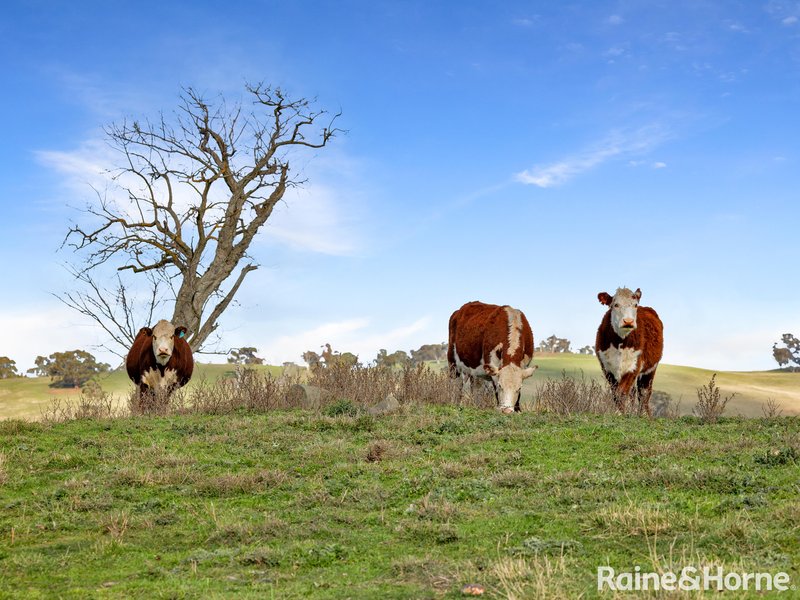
539	576
634	520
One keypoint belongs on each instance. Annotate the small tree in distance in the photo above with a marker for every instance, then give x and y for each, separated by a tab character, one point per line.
789	353
554	344
329	358
429	352
245	356
398	358
71	368
8	368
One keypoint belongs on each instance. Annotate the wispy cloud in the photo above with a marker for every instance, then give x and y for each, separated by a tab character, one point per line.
617	145
615	20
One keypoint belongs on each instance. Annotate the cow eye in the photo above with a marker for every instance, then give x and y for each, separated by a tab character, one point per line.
616	305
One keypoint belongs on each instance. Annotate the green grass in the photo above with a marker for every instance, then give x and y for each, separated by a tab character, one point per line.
413	505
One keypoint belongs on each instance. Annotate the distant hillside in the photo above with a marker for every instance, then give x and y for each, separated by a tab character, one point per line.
26	398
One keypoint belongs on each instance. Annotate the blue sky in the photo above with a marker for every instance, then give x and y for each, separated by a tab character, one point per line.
527	153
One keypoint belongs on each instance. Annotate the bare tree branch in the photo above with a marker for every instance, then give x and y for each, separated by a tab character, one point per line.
198	186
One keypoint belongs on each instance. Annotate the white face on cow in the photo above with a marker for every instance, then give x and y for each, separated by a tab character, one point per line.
624	305
509	383
163	341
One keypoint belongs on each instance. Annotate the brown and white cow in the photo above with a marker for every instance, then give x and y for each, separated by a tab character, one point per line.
494	342
630	342
160	359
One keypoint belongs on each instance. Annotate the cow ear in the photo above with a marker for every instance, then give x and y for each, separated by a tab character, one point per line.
180	331
637	294
145	330
529	371
605	298
489	370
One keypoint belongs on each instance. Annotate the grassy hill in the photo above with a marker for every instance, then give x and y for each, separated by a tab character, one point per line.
26	398
417	504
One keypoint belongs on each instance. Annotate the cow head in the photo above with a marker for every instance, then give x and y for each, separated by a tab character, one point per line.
164	334
508	380
624	305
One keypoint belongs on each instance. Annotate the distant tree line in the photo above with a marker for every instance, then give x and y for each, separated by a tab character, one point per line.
399	358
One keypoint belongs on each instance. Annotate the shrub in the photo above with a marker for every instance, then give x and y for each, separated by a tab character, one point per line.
710	403
568	396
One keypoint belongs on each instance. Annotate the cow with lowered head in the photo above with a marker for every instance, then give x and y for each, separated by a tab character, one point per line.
494	342
630	342
160	359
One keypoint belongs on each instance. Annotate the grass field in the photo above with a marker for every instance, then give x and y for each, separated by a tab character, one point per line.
291	504
26	398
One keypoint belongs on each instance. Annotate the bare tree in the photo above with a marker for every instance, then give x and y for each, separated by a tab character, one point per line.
198	187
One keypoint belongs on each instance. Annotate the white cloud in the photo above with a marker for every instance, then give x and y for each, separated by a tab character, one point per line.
618	144
525	21
615	20
791	20
615	52
659	165
737	28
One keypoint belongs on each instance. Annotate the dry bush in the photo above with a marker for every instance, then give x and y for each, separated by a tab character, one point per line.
771	408
247	390
355	388
569	396
364	386
710	403
156	402
93	403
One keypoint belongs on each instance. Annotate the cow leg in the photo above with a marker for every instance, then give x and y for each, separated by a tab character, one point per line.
615	395
466	384
645	387
627	390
